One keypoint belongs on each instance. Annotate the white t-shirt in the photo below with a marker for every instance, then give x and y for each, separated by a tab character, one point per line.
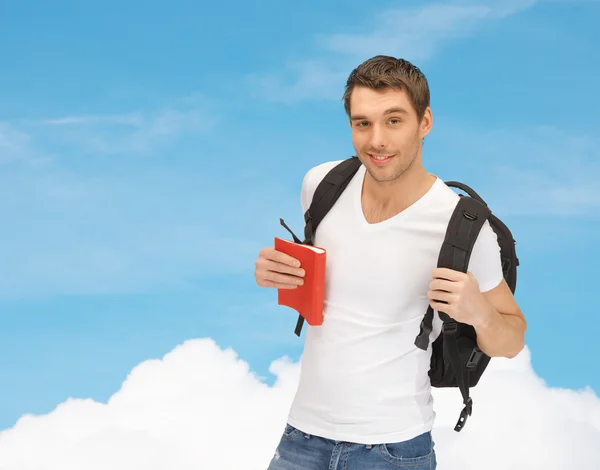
362	378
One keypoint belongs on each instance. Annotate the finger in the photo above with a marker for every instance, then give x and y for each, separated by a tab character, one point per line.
280	257
449	274
284	268
278	285
264	264
441	296
282	278
442	284
440	306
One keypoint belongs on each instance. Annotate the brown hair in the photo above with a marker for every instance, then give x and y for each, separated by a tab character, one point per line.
381	72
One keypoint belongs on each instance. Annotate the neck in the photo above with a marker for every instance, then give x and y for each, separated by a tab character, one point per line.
401	192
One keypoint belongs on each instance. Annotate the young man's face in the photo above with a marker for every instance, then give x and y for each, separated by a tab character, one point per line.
385	124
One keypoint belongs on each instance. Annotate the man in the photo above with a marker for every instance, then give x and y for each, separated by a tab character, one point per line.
364	398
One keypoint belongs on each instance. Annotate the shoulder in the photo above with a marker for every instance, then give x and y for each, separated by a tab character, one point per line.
315	174
485	262
312	178
487	235
447	193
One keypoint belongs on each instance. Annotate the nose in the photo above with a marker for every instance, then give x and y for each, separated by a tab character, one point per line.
377	137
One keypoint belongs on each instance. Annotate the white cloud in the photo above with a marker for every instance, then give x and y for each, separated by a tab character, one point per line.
415	33
12	141
108	226
16	146
202	407
135	133
303	79
539	170
130	134
132	119
419	31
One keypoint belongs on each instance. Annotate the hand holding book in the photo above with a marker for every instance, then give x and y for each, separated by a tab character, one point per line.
307	298
278	270
297	271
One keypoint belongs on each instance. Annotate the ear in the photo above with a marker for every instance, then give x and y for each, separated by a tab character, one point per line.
426	123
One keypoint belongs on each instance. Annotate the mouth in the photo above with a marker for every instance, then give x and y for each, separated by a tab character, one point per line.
380	159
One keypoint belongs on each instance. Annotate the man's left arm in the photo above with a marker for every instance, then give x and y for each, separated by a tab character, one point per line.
495	315
502	333
481	297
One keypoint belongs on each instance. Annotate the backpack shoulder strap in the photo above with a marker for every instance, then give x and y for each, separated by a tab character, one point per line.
510	261
466	189
508	252
463	229
327	193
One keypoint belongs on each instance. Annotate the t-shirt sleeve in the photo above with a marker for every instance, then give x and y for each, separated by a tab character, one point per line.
306	194
485	262
311	180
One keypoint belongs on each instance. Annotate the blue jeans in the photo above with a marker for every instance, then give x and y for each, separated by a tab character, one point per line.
298	450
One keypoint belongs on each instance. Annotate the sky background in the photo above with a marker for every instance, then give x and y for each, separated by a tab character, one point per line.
148	150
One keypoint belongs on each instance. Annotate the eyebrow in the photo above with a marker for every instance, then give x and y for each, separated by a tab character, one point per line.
387	111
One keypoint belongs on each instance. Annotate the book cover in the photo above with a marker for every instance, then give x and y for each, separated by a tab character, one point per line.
308	298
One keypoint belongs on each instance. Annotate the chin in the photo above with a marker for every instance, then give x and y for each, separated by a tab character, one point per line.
383	172
385	175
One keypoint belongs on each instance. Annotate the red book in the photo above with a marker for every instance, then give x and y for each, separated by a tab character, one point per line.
306	299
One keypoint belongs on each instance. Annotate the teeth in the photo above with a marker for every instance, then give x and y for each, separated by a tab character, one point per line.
377	157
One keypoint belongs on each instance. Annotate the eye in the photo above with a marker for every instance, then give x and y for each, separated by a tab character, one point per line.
394	120
360	124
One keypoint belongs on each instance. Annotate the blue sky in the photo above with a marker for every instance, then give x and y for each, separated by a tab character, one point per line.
148	149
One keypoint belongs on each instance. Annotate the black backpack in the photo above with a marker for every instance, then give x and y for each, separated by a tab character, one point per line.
456	360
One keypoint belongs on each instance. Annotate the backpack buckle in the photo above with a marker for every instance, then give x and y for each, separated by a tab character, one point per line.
450	328
474	358
464	414
470	215
469	406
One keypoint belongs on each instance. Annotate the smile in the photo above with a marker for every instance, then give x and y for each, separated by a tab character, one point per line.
379	159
